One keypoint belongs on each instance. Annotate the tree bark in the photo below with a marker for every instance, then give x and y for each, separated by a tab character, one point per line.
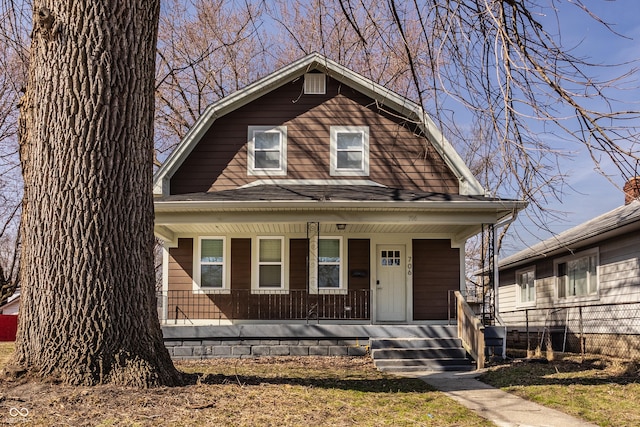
89	313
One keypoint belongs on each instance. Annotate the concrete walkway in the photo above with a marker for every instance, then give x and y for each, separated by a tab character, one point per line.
501	408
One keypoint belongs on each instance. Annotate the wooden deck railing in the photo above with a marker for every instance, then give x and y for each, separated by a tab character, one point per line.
470	330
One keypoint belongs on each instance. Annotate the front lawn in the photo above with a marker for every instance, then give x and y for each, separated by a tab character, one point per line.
283	391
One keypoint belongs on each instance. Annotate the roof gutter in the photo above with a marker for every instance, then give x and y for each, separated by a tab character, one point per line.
188	205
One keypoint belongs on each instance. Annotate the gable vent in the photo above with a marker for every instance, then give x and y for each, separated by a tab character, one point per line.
315	84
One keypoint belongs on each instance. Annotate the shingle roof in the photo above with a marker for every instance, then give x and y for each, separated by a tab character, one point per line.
323	193
596	229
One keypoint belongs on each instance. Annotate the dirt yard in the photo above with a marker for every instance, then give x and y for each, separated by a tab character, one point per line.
283	391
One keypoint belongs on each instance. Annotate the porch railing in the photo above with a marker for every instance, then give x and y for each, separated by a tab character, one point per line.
470	330
249	304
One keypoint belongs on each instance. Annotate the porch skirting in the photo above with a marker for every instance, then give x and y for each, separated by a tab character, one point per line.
205	342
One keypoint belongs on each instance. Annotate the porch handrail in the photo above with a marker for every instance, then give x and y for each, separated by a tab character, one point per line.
470	330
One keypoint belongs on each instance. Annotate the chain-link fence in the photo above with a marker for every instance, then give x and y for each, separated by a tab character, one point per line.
611	329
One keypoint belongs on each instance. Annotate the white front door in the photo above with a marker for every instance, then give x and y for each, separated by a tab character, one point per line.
391	285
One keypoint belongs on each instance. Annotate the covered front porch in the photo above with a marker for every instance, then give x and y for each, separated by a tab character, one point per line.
307	253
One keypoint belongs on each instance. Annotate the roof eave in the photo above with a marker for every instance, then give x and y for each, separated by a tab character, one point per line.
498	206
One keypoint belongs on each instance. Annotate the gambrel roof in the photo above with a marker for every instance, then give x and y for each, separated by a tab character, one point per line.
468	184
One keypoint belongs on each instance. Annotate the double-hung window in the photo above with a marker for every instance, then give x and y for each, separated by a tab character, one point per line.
349	150
211	268
526	282
270	263
577	275
330	263
267	150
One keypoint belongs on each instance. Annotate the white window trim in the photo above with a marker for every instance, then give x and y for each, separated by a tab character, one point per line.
253	171
342	288
225	289
576	256
519	302
255	279
334	131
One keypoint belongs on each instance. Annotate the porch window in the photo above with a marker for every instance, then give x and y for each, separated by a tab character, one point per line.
349	150
267	150
211	260
526	283
577	276
270	256
330	263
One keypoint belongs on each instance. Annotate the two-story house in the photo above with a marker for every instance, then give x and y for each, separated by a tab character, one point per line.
315	193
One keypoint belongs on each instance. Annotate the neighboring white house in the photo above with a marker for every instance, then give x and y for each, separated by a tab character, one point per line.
582	286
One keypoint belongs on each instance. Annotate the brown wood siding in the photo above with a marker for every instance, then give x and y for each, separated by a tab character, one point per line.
181	266
359	262
298	252
240	264
436	271
398	157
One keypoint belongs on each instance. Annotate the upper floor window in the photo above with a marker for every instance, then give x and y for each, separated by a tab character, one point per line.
577	275
349	150
330	263
526	282
267	150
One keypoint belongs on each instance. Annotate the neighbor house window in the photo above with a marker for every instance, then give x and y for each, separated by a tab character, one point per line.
211	263
267	150
349	150
330	263
270	263
577	275
526	282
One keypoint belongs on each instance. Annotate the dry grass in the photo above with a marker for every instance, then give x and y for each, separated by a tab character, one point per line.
288	391
601	390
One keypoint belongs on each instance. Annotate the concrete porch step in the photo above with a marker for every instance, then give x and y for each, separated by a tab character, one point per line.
407	343
419	353
415	365
438	353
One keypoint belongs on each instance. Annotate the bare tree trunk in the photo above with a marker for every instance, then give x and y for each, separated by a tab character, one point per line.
88	313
